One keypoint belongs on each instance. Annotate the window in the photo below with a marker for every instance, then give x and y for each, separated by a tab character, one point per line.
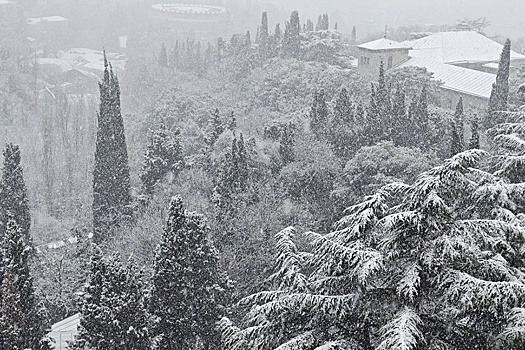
390	62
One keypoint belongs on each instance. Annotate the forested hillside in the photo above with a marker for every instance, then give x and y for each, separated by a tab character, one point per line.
257	192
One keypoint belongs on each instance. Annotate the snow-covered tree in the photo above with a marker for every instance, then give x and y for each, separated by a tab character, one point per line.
163	156
21	321
410	267
111	178
13	193
457	143
113	314
187	292
499	95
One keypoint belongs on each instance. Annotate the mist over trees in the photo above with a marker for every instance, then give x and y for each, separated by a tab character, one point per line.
245	185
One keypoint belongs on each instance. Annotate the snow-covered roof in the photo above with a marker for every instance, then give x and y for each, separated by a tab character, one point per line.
36	20
459	79
188	8
5	2
64	331
383	44
492	65
457	47
84	58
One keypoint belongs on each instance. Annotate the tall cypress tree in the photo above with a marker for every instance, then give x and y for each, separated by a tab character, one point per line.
474	137
400	121
341	132
21	324
13	193
111	179
286	143
319	115
499	95
460	125
292	36
185	297
264	36
353	36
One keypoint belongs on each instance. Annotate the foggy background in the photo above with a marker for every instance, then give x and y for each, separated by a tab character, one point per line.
505	16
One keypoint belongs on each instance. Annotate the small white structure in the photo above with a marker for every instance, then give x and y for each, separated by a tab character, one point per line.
64	332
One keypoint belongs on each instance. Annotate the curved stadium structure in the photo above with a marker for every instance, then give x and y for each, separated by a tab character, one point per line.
190	14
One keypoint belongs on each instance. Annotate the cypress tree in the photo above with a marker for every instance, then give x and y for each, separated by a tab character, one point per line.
500	89
216	126
474	138
175	56
400	122
319	25
186	297
292	36
264	35
353	36
111	179
326	22
163	56
286	143
381	107
458	118
309	26
164	155
341	132
13	194
21	323
232	122
319	115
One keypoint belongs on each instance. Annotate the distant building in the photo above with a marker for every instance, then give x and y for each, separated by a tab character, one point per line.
371	54
185	18
465	62
64	332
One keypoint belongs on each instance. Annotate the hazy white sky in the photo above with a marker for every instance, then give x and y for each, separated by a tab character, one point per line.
507	16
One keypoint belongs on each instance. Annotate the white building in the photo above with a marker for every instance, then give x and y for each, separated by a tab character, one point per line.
465	62
64	332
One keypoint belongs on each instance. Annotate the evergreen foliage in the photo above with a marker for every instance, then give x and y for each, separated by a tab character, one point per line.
342	130
264	36
111	178
292	37
457	143
113	314
319	117
164	155
232	180
498	101
309	26
286	144
21	321
187	284
407	268
13	194
216	126
474	137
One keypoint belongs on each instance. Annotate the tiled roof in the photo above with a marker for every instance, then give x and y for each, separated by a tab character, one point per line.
382	44
457	47
463	80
